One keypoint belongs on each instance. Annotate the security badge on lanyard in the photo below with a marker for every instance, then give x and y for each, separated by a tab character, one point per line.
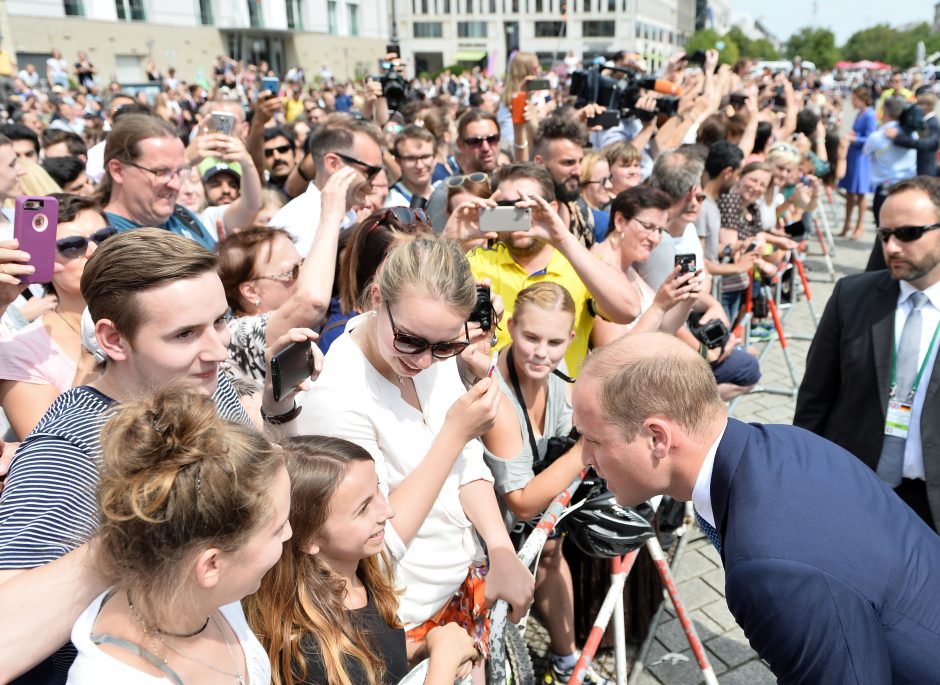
898	419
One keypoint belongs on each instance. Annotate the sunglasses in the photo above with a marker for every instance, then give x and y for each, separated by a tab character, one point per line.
284	276
77	245
370	171
280	149
413	344
477	141
475	177
906	234
405	216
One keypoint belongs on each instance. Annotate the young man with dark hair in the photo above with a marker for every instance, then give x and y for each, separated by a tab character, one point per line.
413	149
25	141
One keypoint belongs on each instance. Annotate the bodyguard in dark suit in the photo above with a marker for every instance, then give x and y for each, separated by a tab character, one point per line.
832	577
847	389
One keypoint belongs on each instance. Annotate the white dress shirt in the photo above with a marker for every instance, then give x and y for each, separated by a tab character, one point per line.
301	218
930	318
702	492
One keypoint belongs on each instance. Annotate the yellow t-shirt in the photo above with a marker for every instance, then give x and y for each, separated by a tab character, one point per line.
292	109
6	64
508	279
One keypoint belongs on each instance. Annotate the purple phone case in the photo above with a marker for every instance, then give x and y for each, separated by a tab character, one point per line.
35	229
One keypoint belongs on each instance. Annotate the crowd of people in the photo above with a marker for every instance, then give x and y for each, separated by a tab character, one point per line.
448	256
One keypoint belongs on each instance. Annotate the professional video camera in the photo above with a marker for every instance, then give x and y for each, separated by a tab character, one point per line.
395	88
621	94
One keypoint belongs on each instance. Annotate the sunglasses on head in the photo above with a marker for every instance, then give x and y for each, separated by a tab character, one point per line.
475	177
906	234
369	170
76	245
405	216
477	141
280	149
414	344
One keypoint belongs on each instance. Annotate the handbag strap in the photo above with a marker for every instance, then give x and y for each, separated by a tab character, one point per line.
514	379
147	655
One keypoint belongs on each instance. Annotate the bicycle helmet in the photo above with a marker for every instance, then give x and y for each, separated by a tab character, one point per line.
603	529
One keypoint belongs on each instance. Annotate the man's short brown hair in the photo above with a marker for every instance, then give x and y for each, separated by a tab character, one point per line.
337	133
531	170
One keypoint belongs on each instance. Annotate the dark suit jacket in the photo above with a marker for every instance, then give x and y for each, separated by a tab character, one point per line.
832	577
844	394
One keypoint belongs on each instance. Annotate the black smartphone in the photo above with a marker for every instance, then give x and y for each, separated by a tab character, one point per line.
538	84
737	99
697	57
750	248
686	262
290	367
605	120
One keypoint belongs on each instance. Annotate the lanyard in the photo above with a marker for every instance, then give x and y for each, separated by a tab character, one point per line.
920	373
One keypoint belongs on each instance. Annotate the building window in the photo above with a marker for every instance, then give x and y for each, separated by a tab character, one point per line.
428	29
74	8
353	19
205	12
469	8
611	5
254	14
549	29
294	19
597	29
132	10
538	6
424	6
515	6
471	29
446	6
331	16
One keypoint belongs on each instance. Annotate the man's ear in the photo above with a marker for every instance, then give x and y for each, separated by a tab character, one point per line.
538	159
112	341
660	435
332	163
115	170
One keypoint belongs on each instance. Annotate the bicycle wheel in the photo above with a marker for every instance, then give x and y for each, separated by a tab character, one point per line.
518	665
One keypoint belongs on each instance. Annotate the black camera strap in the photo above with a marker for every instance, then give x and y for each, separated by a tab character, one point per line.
514	379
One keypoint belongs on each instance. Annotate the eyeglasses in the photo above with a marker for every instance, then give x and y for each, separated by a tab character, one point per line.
77	245
280	149
414	159
284	276
475	177
413	344
602	181
406	216
370	171
906	234
162	175
655	229
477	141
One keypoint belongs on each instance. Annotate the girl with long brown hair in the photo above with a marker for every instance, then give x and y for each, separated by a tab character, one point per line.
327	610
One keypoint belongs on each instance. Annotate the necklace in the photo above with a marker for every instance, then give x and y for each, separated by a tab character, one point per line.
55	310
237	675
147	628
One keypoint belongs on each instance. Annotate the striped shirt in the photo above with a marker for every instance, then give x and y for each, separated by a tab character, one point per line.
48	505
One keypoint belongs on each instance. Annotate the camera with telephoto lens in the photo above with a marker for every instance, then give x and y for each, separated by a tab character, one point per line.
483	310
713	334
619	94
395	89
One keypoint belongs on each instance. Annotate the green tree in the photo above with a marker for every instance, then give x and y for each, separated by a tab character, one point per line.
764	49
816	45
707	39
872	43
903	51
754	49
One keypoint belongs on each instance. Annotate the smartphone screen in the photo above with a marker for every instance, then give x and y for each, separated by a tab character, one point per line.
687	262
538	84
34	226
271	83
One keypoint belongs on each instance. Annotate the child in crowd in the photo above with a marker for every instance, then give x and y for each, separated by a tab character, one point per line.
327	611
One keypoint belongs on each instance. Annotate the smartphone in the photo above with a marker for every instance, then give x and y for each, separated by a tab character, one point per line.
222	122
686	262
697	57
605	120
290	367
34	226
505	219
538	84
393	49
737	99
518	108
271	83
750	248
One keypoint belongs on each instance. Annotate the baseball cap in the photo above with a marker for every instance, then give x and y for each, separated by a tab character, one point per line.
211	166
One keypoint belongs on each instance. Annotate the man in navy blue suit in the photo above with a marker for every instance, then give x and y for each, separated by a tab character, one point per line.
832	577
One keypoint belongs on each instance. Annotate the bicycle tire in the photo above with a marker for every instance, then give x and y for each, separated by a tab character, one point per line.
519	664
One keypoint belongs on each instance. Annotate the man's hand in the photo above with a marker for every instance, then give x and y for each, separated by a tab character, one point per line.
12	266
338	188
268	105
463	225
295	335
546	223
209	144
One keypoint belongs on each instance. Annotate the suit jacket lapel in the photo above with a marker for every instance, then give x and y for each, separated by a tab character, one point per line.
882	335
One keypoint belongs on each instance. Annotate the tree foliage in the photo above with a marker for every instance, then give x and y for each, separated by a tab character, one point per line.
887	44
816	45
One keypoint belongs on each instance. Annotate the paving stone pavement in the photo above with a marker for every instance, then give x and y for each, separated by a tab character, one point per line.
699	575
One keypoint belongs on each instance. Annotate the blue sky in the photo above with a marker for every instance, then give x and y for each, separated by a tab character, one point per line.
844	17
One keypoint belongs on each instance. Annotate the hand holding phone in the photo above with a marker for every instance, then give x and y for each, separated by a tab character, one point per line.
290	367
222	122
271	83
34	226
686	262
505	219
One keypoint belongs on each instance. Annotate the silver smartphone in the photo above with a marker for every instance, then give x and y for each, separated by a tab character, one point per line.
505	219
222	122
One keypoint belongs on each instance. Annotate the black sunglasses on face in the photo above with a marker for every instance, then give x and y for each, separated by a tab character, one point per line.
413	344
477	141
280	149
906	234
76	245
370	171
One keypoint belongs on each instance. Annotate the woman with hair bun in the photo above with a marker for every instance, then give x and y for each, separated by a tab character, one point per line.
193	513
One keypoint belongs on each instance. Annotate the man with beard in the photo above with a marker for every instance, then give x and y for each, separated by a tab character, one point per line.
278	156
548	252
559	147
871	374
